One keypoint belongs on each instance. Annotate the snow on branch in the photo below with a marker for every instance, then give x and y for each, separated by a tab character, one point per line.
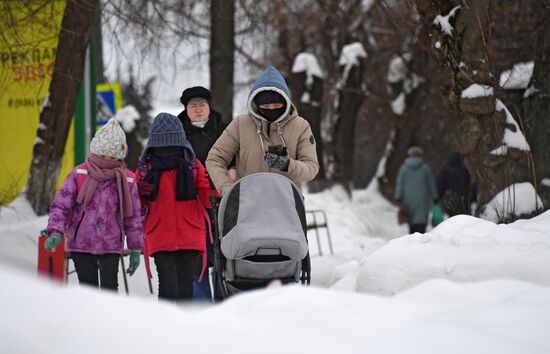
351	53
46	104
518	77
127	117
396	70
515	200
398	104
443	21
513	138
306	62
349	57
476	90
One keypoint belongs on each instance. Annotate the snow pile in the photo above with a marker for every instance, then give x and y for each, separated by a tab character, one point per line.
518	77
443	21
461	249
127	117
19	230
358	227
436	317
306	62
512	138
517	199
476	90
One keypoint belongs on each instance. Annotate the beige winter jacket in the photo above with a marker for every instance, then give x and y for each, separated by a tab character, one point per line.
242	141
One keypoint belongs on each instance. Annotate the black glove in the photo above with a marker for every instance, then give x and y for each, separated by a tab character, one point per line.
277	161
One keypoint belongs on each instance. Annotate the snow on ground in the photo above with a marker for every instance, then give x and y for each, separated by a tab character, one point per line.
493	297
436	317
462	249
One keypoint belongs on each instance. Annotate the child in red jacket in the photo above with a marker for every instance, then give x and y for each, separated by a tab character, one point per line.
175	189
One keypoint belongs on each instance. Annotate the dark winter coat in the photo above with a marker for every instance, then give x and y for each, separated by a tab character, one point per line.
453	185
202	139
415	189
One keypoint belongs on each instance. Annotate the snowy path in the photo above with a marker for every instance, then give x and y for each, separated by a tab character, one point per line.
358	228
494	296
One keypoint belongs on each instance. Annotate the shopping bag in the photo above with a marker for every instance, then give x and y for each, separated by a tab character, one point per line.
437	215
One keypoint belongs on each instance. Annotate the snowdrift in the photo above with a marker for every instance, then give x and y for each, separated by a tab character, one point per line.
461	249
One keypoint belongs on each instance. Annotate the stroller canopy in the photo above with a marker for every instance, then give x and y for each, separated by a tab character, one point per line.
263	214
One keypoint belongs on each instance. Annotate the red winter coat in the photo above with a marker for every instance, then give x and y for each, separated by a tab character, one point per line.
172	225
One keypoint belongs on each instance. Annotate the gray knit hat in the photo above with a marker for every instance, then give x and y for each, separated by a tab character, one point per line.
167	130
110	141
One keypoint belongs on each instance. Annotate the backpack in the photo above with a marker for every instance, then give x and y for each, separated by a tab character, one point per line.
82	171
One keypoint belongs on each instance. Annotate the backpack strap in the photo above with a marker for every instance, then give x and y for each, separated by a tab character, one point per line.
81	172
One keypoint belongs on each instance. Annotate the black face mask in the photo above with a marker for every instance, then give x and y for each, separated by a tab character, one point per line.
272	114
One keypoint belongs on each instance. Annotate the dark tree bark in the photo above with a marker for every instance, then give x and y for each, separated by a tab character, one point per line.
424	122
55	118
537	105
472	55
307	98
222	56
350	97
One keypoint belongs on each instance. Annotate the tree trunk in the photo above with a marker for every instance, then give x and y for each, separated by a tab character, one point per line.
469	56
308	97
56	116
423	122
349	99
222	49
537	106
100	67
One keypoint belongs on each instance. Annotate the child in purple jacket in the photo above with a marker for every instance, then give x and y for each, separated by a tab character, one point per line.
97	208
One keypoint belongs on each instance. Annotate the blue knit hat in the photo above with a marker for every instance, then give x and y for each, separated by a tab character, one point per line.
166	130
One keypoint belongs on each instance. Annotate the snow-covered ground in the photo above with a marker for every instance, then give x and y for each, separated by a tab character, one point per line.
467	286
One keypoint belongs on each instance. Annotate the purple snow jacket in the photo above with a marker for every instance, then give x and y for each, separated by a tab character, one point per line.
97	228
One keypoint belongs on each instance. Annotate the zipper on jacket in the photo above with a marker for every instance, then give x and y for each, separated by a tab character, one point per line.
78	226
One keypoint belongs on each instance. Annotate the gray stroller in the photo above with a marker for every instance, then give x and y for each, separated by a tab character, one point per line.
261	234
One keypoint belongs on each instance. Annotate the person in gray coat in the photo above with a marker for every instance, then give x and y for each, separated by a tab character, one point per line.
415	190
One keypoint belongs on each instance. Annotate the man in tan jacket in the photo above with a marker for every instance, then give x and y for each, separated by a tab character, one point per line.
271	138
